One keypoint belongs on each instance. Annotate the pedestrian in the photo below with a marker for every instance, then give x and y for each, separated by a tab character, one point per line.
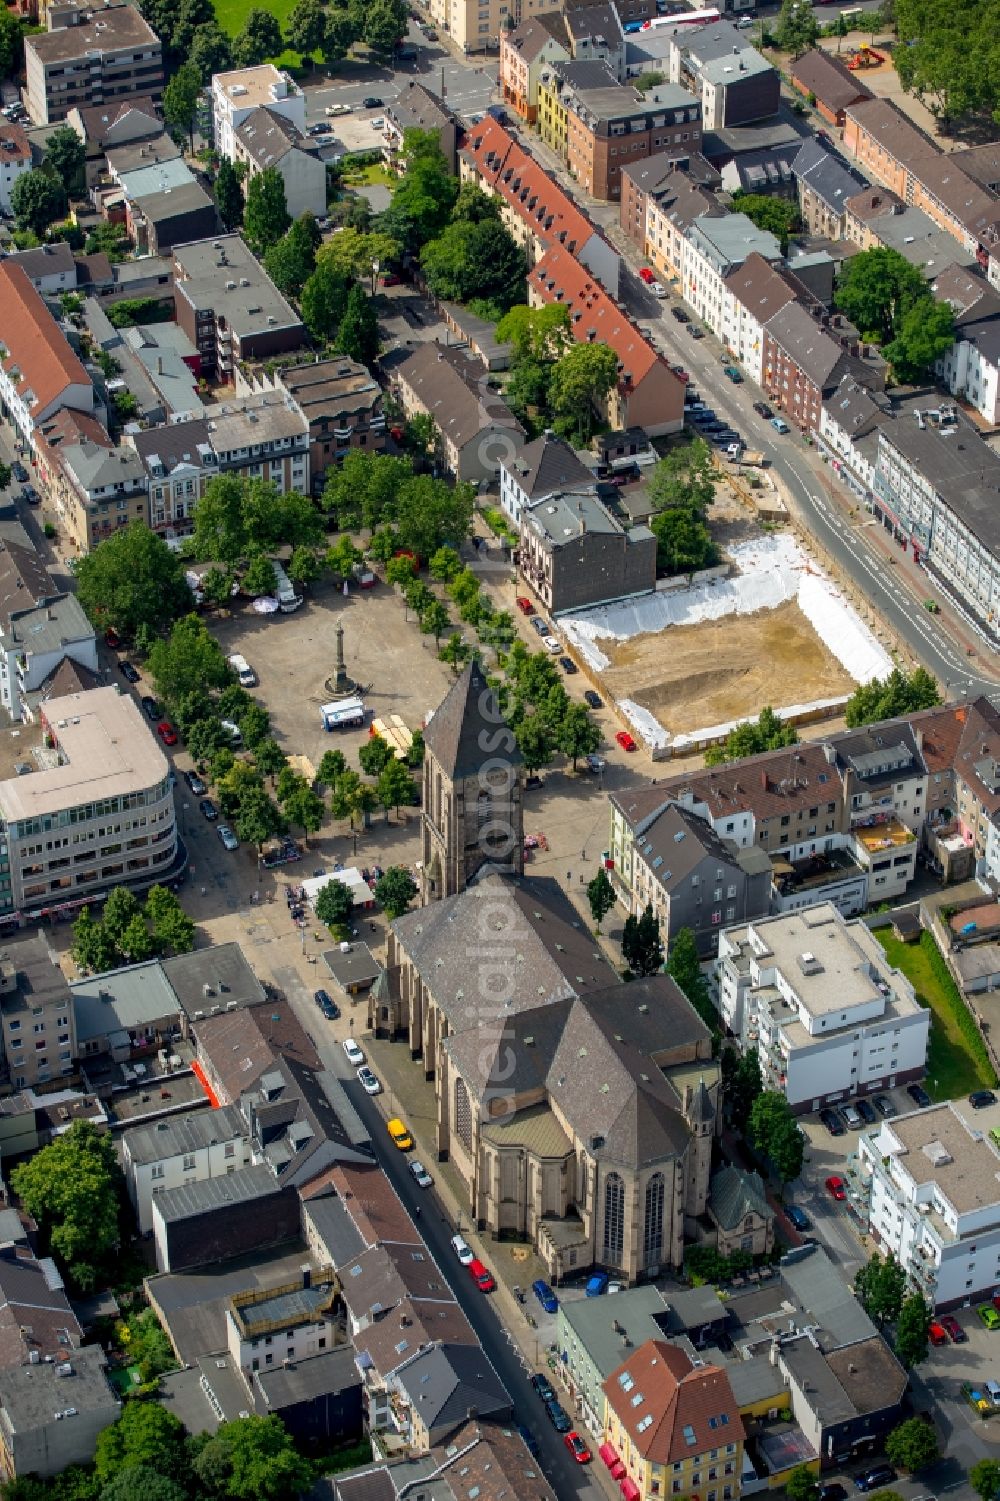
204	892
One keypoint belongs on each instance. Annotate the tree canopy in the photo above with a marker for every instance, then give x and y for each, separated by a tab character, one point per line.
684	967
64	155
913	1445
37	200
476	260
642	943
778	215
950	57
876	289
180	98
291	260
71	1189
767	732
266	216
131	581
774	1133
881	1286
421	206
912	1341
888	698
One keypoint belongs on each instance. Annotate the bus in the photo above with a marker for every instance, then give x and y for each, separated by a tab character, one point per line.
683	18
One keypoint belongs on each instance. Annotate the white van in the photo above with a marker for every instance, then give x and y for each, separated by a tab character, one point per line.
462	1249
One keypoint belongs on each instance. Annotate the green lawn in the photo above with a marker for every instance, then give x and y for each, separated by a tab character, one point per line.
231	15
366	177
957	1061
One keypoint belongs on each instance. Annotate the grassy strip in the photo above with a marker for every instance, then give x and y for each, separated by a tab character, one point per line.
957	1060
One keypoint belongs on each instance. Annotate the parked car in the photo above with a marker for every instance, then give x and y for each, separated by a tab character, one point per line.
679	314
681	374
851	1116
558	1416
552	644
195	782
992	1390
866	1111
832	1122
401	1137
780	425
577	1447
540	625
733	374
543	1386
151	707
596	763
875	1478
763	410
481	1276
127	671
918	1095
834	1491
989	1315
19	472
625	740
208	809
953	1329
568	666
228	838
658	289
936	1333
695	332
647	276
596	1285
835	1188
525	606
166	732
593	699
112	638
884	1106
980	1098
321	128
545	1295
798	1217
369	1083
462	1250
372	101
378	123
355	1055
420	1174
327	1005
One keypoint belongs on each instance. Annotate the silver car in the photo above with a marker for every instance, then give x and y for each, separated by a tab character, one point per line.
229	839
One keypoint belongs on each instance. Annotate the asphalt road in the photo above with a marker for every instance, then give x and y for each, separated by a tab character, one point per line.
468	86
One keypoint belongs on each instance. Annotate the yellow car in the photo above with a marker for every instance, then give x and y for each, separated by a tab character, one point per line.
400	1135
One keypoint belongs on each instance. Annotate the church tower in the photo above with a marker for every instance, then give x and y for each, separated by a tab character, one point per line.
472	816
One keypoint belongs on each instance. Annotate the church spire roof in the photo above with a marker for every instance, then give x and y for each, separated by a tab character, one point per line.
468	729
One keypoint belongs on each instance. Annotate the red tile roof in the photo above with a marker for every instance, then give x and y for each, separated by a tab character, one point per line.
34	343
507	169
373	1205
692	1408
14	143
559	277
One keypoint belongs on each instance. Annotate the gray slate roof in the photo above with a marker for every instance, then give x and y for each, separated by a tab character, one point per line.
733	1194
185	1133
462	735
831	179
546	465
445	1382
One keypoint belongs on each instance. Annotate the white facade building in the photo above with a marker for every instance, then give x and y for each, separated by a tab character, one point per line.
237	94
815	995
714	247
286	1323
928	1184
15	158
189	1149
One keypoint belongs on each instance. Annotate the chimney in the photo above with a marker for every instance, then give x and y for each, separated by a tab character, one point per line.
307	1277
159	364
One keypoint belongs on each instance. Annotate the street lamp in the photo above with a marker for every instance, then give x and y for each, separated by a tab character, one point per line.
376	266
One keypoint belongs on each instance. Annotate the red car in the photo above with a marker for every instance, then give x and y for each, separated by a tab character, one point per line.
835	1186
681	373
577	1448
482	1277
953	1329
647	275
112	638
936	1334
390	279
525	606
166	732
625	740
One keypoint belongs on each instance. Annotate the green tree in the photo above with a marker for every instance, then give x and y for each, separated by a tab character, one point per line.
343	557
778	215
304	566
394	786
266	216
476	261
324	301
768	732
255	725
400	572
642	945
64	155
683	541
435	620
395	890
291	261
922	336
912	1446
542	333
444	565
132	579
11	42
229	195
455	652
686	477
146	1434
71	1190
304	808
890	698
357	336
422	204
581	381
259	41
259	818
172	928
37	200
141	1483
802	1485
188	659
431	514
211	52
601	896
306	28
374	755
417	596
684	966
353	252
876	290
741	1083
180	99
121	907
420	435
339	35
334	905
332	766
269	758
881	1286
136	944
259	578
187	20
796	28
984	1477
948	58
773	1132
577	734
912	1341
92	949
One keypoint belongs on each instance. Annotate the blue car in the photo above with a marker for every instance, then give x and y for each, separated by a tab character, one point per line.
545	1296
597	1284
798	1217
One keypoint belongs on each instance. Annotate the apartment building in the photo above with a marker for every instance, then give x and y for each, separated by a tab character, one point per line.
715	246
39	373
477	429
672	205
191	1148
971	367
814	994
417	108
104	54
825	184
15	159
822	77
752	294
575	555
342	403
273	1326
165	204
94	485
525	53
100	814
735	84
926	1186
803	362
229	307
264	436
599	125
654	180
237	94
102	128
40	627
542	468
267	140
648	393
36	1012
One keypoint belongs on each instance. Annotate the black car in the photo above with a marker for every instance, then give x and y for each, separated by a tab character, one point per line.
568	666
20	473
884	1106
593	699
763	410
328	1007
127	671
695	331
372	101
725	436
31	496
866	1110
918	1095
195	782
832	1492
543	1386
558	1416
832	1122
980	1098
528	1439
151	707
875	1478
679	314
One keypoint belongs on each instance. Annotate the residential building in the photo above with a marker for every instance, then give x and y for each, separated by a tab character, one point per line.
15	158
229	307
648	393
884	143
822	77
94	486
217	1219
575	554
51	269
264	436
542	468
103	127
36	1013
672	1422
676	863
476	27
804	362
848	432
342	403
592	1342
165	205
39	373
525	53
715	246
925	1186
41	626
434	1393
672	204
826	184
191	1148
171	364
982	164
103	55
275	1326
51	1414
477	428
598	124
652	181
738	1208
267	140
914	235
817	998
416	108
595	34
483	1454
100	814
235	96
971	367
752	294
736	85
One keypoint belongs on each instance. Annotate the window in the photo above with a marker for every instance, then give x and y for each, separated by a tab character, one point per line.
652	1239
463	1114
614	1219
